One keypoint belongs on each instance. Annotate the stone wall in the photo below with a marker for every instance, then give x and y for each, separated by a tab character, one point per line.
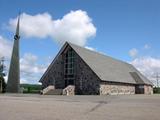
148	89
107	88
86	82
69	90
48	89
55	75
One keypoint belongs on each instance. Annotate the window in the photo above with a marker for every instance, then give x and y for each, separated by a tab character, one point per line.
69	67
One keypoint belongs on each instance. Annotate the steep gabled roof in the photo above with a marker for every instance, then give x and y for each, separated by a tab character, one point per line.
107	68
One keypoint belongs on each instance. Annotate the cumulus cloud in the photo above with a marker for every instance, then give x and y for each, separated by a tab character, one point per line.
5	48
31	71
29	64
133	52
149	66
39	25
75	27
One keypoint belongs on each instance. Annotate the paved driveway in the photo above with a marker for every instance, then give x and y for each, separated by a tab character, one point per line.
38	107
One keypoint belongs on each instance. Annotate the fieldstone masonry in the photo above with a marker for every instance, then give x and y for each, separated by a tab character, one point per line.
55	75
148	89
69	90
86	80
48	89
116	89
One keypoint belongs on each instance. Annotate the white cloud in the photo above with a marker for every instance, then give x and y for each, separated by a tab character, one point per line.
90	48
31	71
5	48
75	27
39	25
149	66
133	52
146	46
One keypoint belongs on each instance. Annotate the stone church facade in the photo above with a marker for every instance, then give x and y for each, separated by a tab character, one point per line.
76	66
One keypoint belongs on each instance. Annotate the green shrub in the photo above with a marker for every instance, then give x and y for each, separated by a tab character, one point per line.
156	90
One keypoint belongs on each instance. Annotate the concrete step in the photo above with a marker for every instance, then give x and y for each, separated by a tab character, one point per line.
50	90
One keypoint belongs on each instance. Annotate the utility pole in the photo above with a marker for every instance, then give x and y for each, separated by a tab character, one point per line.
157	76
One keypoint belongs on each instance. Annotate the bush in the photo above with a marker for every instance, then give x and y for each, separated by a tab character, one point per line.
156	90
2	81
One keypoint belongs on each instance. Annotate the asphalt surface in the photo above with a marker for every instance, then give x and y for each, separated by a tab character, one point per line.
39	107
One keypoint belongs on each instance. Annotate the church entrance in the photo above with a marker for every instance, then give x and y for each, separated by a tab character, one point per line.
139	89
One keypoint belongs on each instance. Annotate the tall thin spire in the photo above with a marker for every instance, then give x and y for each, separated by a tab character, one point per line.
17	36
13	82
17	29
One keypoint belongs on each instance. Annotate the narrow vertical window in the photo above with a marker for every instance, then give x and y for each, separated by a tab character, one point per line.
69	67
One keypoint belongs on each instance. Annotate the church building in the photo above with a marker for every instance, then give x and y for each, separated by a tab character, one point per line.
92	73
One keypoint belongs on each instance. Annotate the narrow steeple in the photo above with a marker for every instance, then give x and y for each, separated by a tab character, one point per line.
17	28
13	83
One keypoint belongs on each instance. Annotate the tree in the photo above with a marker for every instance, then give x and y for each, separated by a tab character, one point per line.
2	74
3	84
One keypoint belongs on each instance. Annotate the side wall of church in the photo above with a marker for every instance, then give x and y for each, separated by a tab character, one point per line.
107	88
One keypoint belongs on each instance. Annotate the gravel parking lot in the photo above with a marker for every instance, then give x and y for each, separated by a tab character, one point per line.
39	107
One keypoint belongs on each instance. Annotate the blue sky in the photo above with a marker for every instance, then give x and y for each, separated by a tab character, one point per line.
126	30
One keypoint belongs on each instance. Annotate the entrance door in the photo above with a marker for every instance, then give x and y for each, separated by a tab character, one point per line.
139	89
